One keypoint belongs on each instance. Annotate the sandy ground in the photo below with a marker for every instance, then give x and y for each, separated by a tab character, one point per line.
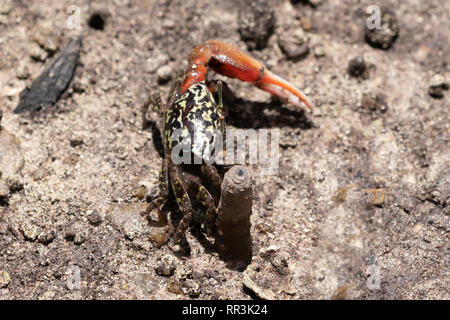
358	210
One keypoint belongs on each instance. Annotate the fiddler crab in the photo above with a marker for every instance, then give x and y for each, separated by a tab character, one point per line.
192	110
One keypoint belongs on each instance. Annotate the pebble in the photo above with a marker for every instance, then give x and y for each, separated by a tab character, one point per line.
80	237
164	74
146	282
159	236
127	217
357	67
192	288
29	230
319	51
374	103
157	59
4	190
11	157
76	141
46	236
95	218
69	235
5	279
437	86
168	23
262	293
377	196
39	174
294	44
315	3
174	286
37	53
47	40
385	36
6	7
166	266
270	249
22	71
80	84
256	22
306	23
141	192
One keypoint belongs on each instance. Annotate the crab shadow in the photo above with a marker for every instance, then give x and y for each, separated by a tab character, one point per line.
245	114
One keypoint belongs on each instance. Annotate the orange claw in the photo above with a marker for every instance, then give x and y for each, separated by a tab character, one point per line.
226	59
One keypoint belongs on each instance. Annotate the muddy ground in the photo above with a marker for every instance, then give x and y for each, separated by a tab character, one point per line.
359	207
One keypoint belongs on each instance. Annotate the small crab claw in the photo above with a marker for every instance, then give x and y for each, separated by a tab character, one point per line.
283	89
226	59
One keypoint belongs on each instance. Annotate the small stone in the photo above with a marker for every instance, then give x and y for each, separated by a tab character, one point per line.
47	41
39	174
341	194
4	189
95	218
315	3
80	237
306	23
128	218
174	286
357	67
437	86
294	44
69	235
159	236
80	85
319	51
6	7
146	282
192	288
5	279
256	22
373	103
377	196
76	141
164	74
37	53
168	23
385	35
270	249
141	192
46	236
166	266
155	61
30	231
262	293
14	185
22	71
11	158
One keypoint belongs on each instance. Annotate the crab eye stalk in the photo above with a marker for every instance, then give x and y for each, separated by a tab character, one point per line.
219	92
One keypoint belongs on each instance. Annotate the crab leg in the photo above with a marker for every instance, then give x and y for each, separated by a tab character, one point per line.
230	61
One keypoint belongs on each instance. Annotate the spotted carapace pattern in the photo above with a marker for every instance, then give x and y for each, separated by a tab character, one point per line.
197	118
